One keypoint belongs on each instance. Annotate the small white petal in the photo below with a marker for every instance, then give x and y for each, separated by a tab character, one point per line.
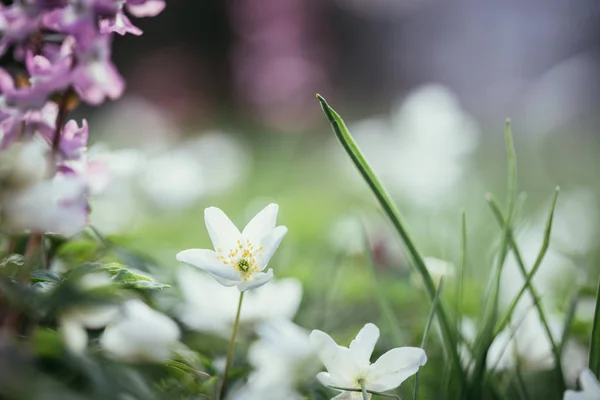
262	224
257	280
223	233
208	261
225	282
362	347
588	380
270	243
74	335
392	368
326	379
337	359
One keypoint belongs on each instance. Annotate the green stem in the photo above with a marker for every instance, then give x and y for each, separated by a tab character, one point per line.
231	345
390	209
363	389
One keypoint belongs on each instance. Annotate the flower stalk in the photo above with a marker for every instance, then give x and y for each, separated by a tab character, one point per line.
231	346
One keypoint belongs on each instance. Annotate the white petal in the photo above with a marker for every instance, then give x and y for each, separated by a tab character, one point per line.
262	224
337	359
362	347
326	379
221	230
257	280
270	243
573	395
350	396
208	261
392	368
589	383
74	335
225	282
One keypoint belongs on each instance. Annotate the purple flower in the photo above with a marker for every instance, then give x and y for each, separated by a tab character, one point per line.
73	141
28	124
95	77
119	23
145	8
16	24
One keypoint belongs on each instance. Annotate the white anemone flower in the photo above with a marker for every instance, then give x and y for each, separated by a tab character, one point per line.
239	258
281	358
141	334
347	367
210	307
589	385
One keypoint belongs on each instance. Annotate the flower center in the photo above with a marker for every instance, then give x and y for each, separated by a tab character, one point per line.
242	257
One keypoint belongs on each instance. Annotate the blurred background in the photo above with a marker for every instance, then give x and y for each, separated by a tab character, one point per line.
220	110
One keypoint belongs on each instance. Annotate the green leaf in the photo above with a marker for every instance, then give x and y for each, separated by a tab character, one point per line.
594	363
46	276
347	141
130	279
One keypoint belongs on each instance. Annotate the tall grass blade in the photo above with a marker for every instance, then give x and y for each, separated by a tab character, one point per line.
390	209
485	335
528	285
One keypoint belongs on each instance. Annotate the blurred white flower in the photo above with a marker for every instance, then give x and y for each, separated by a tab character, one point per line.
590	388
525	342
123	167
210	307
346	366
347	235
437	268
239	258
73	322
24	163
140	334
281	357
422	153
222	156
174	180
57	205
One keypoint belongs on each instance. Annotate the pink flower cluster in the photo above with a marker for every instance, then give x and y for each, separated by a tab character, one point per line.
60	52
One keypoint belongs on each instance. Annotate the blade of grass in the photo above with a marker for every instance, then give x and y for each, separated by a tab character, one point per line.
485	335
426	333
538	261
384	304
594	363
569	320
528	285
390	209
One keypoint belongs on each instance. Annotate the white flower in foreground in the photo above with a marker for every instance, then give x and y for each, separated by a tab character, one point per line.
210	307
281	358
589	385
141	334
347	366
239	258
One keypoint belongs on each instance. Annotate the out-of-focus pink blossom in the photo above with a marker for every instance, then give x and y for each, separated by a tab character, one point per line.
73	141
145	8
95	77
120	24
